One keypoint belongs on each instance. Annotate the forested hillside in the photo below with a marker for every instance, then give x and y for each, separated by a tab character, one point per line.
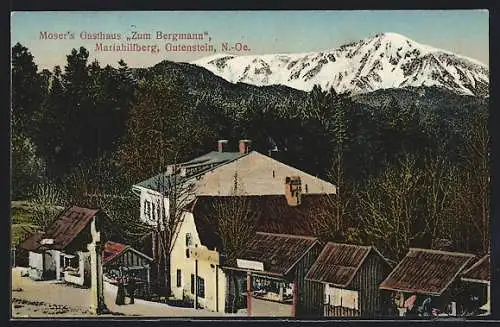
412	164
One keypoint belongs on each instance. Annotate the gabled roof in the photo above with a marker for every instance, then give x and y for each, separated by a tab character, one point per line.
479	272
425	271
279	253
198	165
272	214
339	263
113	250
67	226
259	174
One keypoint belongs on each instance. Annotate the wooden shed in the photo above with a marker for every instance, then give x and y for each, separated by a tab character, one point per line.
477	284
121	261
284	259
427	282
350	275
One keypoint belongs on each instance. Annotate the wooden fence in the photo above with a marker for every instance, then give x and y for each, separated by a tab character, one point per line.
338	311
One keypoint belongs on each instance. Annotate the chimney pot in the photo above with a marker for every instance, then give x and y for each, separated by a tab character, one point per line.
244	146
221	144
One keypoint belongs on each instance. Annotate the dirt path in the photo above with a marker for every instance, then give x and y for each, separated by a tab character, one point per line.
48	298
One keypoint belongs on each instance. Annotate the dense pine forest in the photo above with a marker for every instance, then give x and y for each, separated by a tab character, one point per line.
412	164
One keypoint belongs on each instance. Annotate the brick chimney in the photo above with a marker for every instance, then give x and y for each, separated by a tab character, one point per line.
221	144
293	190
244	146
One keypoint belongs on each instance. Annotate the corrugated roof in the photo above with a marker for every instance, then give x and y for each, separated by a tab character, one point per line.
113	250
204	163
272	214
279	253
426	271
338	263
479	271
63	230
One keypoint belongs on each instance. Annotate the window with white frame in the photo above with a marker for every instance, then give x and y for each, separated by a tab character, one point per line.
147	210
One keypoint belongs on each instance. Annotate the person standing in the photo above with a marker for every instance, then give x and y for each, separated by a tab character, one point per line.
120	294
131	289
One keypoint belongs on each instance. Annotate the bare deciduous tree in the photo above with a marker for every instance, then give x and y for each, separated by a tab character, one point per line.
235	220
472	203
176	193
390	206
236	225
438	194
48	202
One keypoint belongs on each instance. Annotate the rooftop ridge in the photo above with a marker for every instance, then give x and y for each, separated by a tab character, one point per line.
441	252
289	236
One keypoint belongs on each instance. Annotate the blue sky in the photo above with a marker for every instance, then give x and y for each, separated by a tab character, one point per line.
461	31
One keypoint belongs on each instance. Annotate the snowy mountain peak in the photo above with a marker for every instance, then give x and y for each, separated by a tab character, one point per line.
385	60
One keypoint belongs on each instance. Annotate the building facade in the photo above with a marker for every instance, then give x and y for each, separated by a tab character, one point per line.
351	275
211	179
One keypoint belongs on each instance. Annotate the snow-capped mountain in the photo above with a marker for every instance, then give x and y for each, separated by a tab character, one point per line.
386	60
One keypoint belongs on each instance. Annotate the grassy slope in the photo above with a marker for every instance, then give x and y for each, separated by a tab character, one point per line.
22	225
21	221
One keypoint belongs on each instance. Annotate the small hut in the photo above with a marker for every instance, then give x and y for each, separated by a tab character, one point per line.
477	284
275	266
351	275
60	252
122	262
427	282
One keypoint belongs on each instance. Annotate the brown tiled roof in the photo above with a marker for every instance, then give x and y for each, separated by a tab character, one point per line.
68	225
273	215
338	263
426	271
479	272
32	243
279	253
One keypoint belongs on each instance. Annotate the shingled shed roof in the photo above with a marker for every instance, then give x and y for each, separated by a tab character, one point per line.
338	263
273	215
479	271
68	225
426	271
279	253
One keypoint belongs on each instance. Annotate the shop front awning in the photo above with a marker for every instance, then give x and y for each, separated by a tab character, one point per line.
261	273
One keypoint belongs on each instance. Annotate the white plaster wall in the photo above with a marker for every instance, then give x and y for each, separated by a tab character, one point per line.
152	197
35	260
187	267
